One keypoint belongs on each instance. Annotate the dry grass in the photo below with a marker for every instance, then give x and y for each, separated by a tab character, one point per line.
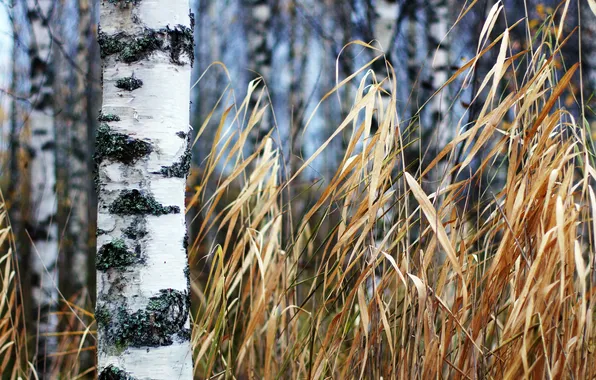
380	276
402	283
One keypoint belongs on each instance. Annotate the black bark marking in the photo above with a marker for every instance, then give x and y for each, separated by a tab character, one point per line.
161	323
124	3
129	83
180	169
107	117
136	230
114	373
119	147
178	41
135	202
116	255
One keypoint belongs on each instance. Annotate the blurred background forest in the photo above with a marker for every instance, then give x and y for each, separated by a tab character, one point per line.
274	84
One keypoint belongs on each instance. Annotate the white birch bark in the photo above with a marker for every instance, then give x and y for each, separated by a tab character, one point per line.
443	132
143	157
438	27
44	229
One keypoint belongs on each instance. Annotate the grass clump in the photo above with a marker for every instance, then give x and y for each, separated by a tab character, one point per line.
394	270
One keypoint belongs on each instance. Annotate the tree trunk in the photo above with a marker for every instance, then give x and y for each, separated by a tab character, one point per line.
588	41
260	14
44	229
18	206
143	157
78	226
63	117
440	128
281	86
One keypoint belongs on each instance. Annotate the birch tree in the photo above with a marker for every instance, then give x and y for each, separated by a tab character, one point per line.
43	229
143	157
442	132
19	118
260	16
63	99
78	226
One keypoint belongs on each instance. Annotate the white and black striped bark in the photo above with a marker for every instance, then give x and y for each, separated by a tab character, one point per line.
143	158
43	229
438	27
260	55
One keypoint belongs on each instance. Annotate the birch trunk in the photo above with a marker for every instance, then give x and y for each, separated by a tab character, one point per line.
19	159
143	157
260	55
63	117
442	132
78	227
44	229
312	85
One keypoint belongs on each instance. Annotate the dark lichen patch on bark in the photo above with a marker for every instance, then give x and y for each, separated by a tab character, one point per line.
187	274
107	117
181	134
50	145
178	41
112	372
115	255
119	147
180	169
136	230
191	16
102	316
129	49
108	45
99	232
181	43
124	3
129	83
159	324
135	202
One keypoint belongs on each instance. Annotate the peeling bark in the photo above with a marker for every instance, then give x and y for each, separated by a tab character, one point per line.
142	287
